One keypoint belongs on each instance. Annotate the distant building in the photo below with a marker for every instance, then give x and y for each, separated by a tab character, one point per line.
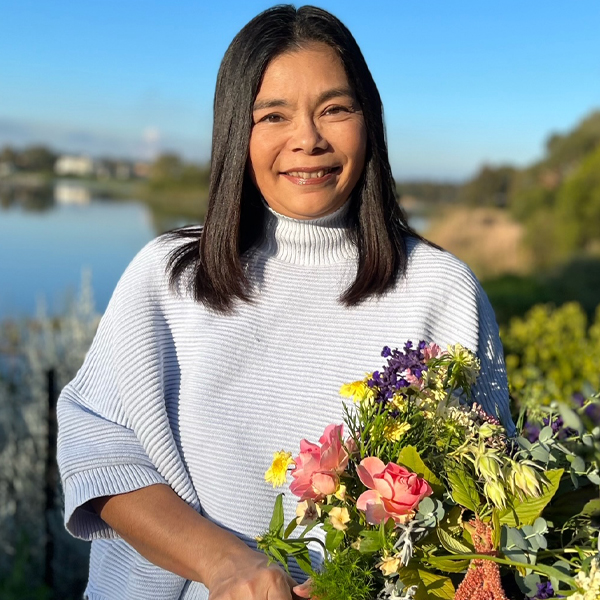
71	193
82	166
7	168
142	170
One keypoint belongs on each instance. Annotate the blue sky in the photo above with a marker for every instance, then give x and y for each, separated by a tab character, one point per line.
463	82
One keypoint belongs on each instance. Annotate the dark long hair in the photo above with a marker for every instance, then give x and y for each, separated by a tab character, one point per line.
234	220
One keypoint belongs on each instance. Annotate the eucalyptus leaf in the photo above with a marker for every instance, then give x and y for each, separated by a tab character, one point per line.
540	454
570	418
540	525
545	434
578	465
524	443
528	585
426	506
594	477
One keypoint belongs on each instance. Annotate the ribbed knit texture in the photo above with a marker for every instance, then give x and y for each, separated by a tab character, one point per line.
171	392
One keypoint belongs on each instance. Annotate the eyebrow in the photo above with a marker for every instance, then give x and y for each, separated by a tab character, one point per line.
327	95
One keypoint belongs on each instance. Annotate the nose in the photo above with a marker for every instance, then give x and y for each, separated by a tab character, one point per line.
307	137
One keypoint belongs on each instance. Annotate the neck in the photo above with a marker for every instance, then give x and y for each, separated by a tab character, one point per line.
321	241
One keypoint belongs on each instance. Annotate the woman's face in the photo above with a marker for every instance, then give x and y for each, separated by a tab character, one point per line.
308	140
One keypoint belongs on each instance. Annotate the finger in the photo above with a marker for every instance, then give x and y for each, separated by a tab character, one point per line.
303	590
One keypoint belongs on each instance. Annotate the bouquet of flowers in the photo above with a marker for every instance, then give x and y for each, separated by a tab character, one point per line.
421	494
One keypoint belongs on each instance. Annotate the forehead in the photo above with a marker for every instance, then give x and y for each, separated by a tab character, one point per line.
311	69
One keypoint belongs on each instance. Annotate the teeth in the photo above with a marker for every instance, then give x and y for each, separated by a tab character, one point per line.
313	175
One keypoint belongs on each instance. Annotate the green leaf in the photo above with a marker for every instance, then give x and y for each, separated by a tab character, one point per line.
370	542
409	457
570	418
276	525
309	528
591	508
291	526
333	539
437	586
464	490
451	566
280	557
303	560
497	528
451	544
527	511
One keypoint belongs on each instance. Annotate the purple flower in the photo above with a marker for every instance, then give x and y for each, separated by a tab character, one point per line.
544	591
531	432
392	379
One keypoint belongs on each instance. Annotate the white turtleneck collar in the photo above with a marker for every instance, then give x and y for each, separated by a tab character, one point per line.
320	241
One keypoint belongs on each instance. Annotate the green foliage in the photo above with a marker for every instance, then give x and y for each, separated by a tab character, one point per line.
490	187
346	576
551	354
525	512
576	281
170	171
17	584
578	205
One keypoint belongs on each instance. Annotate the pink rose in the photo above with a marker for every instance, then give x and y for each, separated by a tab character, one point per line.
317	470
394	492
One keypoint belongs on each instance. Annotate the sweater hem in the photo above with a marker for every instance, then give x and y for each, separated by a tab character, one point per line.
81	521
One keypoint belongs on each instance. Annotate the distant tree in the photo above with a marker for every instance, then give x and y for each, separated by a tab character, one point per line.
490	187
564	151
169	170
37	158
167	167
578	205
8	154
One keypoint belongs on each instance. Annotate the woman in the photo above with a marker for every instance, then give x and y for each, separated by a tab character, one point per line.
222	345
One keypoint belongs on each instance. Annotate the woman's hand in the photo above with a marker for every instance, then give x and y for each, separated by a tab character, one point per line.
172	535
251	577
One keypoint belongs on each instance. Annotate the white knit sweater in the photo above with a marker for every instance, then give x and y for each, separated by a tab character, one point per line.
171	392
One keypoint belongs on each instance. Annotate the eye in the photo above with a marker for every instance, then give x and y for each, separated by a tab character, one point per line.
336	110
271	118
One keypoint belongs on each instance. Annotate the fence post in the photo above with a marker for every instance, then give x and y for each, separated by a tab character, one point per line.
50	479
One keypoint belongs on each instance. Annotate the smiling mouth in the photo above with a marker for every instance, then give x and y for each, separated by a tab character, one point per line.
312	174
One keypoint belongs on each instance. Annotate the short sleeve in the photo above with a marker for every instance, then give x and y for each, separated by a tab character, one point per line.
114	434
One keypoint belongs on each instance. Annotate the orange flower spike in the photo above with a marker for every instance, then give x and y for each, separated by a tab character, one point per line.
482	581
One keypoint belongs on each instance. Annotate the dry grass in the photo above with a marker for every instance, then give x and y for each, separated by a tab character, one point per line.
487	239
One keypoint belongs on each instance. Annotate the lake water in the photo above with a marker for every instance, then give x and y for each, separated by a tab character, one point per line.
46	245
44	252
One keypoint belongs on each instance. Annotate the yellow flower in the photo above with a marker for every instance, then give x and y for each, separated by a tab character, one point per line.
399	401
276	474
394	431
389	565
341	492
359	391
339	517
